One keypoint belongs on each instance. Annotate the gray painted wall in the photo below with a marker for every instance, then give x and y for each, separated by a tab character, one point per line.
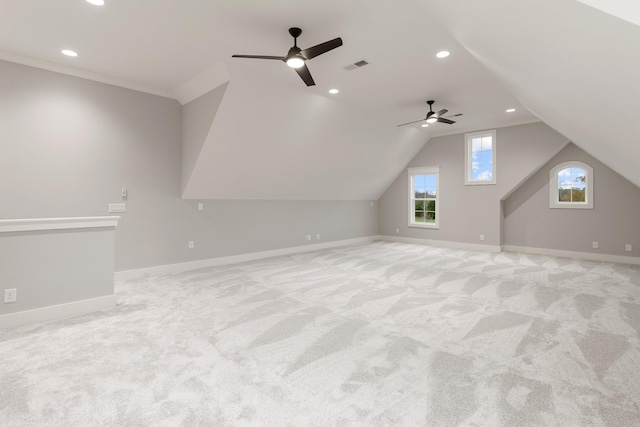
69	145
466	212
56	266
614	221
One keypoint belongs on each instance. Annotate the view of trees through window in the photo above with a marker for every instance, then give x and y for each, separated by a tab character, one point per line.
571	185
424	187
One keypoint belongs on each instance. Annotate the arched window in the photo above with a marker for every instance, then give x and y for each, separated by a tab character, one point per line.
571	186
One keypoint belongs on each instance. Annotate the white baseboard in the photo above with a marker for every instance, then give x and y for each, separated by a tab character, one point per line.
56	312
572	254
162	270
442	243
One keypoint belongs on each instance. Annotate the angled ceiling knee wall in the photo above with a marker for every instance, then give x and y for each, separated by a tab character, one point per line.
200	98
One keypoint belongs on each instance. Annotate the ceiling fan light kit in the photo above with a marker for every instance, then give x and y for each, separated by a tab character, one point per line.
296	58
295	62
432	116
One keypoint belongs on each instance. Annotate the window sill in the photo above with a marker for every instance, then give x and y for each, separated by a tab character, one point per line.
480	183
572	206
432	226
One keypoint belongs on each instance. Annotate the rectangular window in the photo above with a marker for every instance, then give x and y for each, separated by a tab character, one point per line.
423	197
480	157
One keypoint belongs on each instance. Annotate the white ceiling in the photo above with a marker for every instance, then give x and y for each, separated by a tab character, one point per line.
275	138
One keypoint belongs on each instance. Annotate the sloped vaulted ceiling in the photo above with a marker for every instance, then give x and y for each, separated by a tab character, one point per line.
275	138
267	136
264	134
572	65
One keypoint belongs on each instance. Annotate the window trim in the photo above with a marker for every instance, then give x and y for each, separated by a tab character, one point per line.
553	186
467	157
425	170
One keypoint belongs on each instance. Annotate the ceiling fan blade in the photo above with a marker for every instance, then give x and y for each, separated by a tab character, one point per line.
421	120
447	121
321	48
305	75
280	58
442	112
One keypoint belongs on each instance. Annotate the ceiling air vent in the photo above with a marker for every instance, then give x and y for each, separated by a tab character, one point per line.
355	65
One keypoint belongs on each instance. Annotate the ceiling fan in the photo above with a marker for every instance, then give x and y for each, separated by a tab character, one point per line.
432	116
296	58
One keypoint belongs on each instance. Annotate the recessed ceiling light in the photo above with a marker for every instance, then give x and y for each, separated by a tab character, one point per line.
68	52
96	2
511	110
443	54
425	125
333	91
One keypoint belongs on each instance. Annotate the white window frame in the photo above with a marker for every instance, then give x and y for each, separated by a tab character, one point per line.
412	172
467	157
554	203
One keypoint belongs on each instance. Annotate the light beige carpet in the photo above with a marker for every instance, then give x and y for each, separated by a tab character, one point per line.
377	334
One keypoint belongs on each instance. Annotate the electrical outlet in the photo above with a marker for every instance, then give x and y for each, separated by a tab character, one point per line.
482	237
628	247
10	295
307	237
117	207
201	206
318	236
191	244
594	245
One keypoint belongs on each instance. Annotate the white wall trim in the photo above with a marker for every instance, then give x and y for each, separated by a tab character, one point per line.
572	254
162	270
57	312
75	72
442	243
40	224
